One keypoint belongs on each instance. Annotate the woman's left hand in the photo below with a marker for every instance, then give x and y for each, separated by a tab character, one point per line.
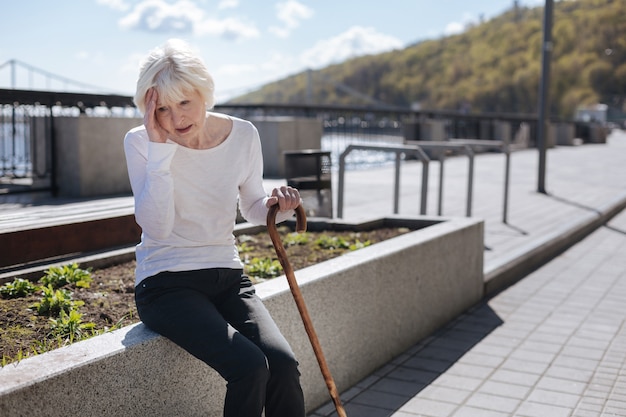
287	198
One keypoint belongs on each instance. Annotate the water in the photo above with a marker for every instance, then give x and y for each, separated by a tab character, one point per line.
14	150
360	159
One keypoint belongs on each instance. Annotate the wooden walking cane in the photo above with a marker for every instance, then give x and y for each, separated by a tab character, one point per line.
297	295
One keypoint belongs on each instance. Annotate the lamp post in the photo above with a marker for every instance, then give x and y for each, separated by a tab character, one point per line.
544	88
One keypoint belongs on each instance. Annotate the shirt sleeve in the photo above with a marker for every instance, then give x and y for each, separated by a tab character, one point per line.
151	182
252	195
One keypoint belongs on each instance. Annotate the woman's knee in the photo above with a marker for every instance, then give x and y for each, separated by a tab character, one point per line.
283	363
249	365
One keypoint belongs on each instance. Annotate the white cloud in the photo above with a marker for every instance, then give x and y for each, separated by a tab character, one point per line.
229	28
251	76
159	16
184	16
228	4
290	13
454	28
236	69
354	42
276	65
120	5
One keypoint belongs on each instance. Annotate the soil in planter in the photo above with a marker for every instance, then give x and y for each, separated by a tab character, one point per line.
109	301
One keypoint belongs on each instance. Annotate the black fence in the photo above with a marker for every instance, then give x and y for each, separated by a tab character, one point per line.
27	134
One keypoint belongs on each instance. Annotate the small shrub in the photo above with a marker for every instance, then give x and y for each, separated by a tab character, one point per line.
59	276
70	326
359	245
295	238
332	242
18	288
244	248
54	301
264	268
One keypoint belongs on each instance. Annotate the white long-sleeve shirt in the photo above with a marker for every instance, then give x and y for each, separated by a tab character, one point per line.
186	199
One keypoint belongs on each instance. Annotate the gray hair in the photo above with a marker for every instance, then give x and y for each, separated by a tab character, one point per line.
174	70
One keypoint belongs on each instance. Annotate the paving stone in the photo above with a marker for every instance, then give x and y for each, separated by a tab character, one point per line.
530	409
458	382
515	377
505	389
555	398
427	408
493	403
474	411
380	399
562	385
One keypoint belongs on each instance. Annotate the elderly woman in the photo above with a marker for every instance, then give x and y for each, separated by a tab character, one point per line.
190	169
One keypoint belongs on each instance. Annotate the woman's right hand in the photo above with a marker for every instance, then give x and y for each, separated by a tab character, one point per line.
155	132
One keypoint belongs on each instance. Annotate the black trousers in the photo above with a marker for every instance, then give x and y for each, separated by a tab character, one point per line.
215	315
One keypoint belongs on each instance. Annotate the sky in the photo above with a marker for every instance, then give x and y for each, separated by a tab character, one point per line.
99	44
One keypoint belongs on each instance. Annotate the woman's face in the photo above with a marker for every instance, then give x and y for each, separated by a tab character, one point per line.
183	120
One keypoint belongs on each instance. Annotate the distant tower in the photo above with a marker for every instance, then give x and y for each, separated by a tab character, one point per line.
516	11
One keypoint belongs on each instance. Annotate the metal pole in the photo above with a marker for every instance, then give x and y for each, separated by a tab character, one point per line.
470	180
13	83
424	197
340	188
507	176
440	199
543	95
396	186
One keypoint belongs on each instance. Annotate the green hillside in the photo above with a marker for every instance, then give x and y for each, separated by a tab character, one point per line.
494	66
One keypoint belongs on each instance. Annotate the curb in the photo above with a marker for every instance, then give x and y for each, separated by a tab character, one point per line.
507	270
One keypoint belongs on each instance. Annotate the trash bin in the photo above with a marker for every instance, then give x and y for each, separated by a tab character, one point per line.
309	170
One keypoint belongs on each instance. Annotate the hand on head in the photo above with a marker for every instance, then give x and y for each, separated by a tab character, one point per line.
155	132
287	198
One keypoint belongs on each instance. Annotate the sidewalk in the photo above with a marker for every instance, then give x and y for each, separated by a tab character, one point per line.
552	345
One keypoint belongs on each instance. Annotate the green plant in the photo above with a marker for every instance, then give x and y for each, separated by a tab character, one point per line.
264	268
244	247
359	245
67	329
332	242
53	301
7	360
18	288
70	326
58	276
295	238
46	345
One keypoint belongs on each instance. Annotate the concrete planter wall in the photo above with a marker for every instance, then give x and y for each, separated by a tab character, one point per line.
90	154
91	161
280	134
367	307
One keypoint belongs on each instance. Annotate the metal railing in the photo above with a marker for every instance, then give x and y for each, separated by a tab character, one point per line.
398	150
27	147
463	145
378	130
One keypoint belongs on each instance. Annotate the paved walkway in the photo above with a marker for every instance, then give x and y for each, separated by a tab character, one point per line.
552	345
